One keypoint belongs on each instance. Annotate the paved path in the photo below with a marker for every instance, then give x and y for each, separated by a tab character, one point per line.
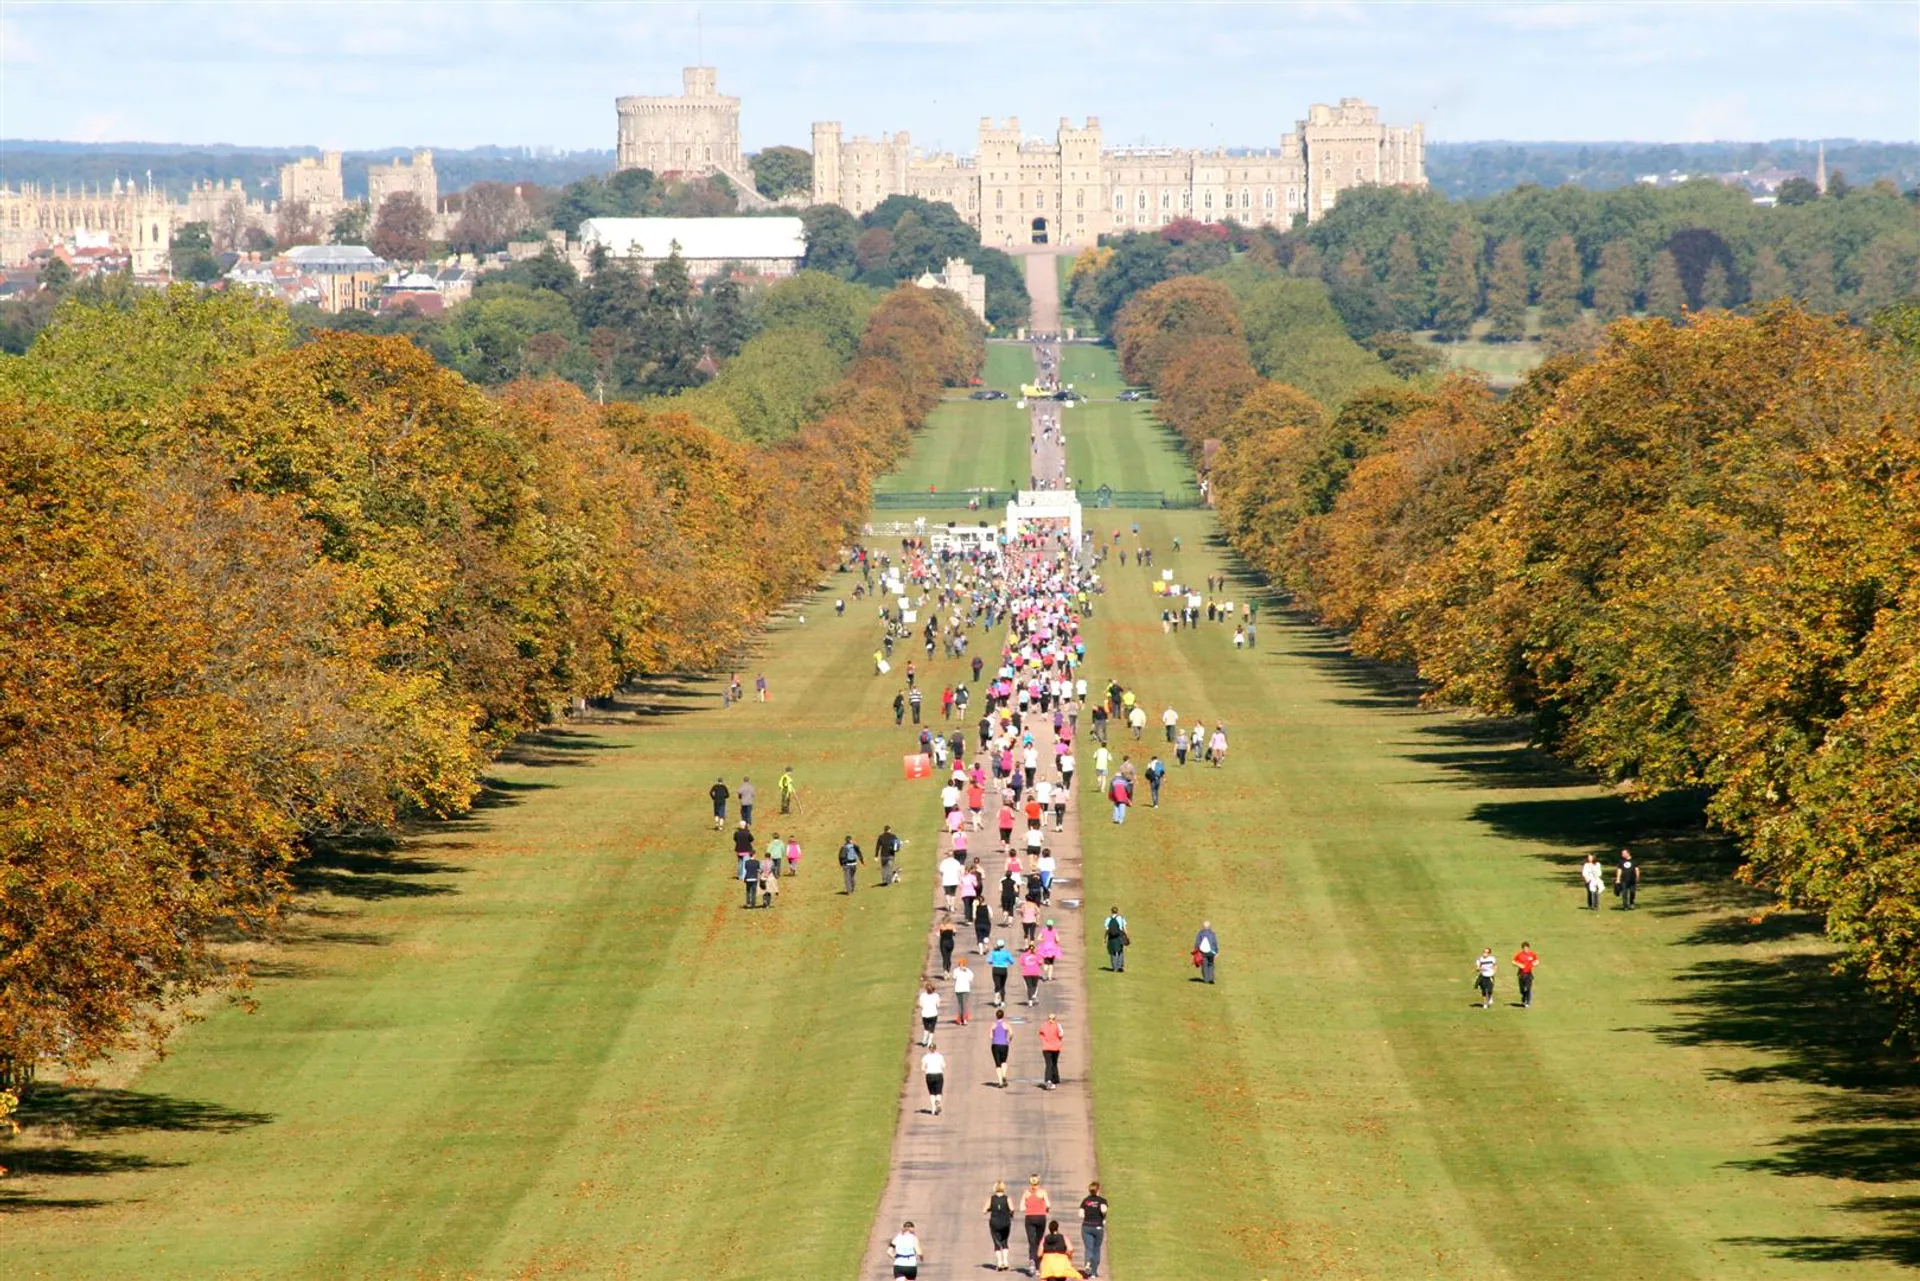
944	1167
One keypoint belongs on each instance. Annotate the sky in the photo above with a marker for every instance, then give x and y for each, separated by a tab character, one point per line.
425	73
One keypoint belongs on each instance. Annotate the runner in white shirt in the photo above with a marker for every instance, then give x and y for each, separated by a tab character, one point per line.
1484	966
934	1065
929	1003
962	989
906	1253
951	870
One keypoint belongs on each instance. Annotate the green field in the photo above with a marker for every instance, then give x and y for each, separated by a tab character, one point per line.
1504	363
1009	364
1114	443
969	444
545	1041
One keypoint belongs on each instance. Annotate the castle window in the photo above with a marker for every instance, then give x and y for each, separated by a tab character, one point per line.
1080	201
1207	200
1268	198
1246	198
999	200
1142	201
1119	201
1186	200
1359	175
1040	200
1166	200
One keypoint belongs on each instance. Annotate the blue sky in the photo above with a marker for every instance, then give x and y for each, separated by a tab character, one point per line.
545	74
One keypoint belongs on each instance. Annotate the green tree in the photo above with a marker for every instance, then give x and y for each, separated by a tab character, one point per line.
1560	284
1769	280
1457	294
1507	293
830	233
1816	283
55	276
191	254
1715	288
486	338
351	225
1407	294
782	171
1875	267
1797	191
826	306
727	318
1616	284
1666	296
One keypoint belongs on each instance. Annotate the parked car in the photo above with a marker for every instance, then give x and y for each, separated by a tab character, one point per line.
1130	394
987	393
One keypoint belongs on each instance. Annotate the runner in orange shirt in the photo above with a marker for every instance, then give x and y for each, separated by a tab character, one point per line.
1052	1038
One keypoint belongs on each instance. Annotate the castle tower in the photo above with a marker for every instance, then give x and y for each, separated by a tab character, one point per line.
826	162
696	133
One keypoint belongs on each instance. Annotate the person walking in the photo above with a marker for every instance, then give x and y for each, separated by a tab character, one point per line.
1093	1229
1626	881
946	946
850	860
746	801
951	870
962	990
907	1255
1034	1206
1170	721
1483	967
999	1212
719	795
1121	794
793	855
1206	951
927	1001
913	696
933	1065
1117	941
750	876
1523	961
1595	878
760	686
742	846
1156	773
900	708
1217	746
1032	969
887	846
1053	1039
982	924
1000	960
786	790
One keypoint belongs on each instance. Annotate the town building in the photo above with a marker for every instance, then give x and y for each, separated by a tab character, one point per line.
1071	189
348	277
959	277
770	246
316	180
138	220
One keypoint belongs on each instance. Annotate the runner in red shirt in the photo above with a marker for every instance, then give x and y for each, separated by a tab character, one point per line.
1524	960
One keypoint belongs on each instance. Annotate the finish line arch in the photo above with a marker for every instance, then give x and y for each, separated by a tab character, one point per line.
1044	507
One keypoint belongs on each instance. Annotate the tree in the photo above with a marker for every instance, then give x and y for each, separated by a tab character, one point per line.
1769	278
254	239
1796	191
403	229
1507	293
1666	296
1457	293
55	276
1715	289
1560	284
490	214
1407	295
229	225
295	223
830	232
191	253
728	320
1838	188
1616	284
1816	283
1875	267
873	253
782	171
350	225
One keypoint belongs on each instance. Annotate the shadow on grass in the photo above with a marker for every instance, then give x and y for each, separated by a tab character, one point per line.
55	1117
368	868
1813	1027
554	746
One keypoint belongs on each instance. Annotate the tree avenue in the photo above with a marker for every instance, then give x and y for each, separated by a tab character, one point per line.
259	592
1691	557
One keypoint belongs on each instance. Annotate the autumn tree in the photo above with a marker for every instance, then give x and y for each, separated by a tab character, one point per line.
490	214
229	224
1507	293
295	223
403	229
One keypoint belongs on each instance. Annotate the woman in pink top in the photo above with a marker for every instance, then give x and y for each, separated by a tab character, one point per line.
793	855
1029	920
1050	949
1031	969
1052	1041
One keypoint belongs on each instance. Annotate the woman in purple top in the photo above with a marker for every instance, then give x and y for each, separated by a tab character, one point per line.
1002	1043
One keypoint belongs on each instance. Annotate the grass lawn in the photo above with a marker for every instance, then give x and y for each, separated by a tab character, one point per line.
1693	1096
1115	443
1504	363
970	444
1009	364
545	1041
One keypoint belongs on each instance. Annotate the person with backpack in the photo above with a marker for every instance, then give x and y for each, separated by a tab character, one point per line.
850	860
1206	951
887	846
1156	774
1118	941
1121	794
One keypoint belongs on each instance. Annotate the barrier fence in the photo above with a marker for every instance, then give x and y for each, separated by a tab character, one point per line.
996	500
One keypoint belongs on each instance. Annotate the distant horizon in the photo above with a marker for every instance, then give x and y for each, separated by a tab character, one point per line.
518	73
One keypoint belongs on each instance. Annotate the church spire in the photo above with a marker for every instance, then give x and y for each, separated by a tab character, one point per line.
1820	171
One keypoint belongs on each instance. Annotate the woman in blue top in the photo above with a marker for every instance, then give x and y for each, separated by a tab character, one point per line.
1001	960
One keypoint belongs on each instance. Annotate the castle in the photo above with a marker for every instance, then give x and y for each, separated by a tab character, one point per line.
1071	190
1067	191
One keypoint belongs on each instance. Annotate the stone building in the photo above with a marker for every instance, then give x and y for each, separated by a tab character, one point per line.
391	179
959	277
318	181
696	134
1071	189
139	220
770	246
